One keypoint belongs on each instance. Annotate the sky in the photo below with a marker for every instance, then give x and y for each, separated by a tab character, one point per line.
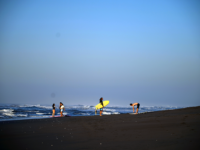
76	51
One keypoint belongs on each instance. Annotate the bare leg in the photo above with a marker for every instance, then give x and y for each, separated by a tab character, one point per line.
95	111
100	112
137	111
53	113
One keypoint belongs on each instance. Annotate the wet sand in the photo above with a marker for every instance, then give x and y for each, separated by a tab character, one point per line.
163	130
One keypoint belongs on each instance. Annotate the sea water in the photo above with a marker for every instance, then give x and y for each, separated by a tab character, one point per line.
20	112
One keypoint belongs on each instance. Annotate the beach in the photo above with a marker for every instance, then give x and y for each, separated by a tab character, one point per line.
162	130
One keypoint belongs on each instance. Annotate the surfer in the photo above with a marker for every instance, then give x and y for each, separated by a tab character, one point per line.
138	105
54	109
62	107
101	109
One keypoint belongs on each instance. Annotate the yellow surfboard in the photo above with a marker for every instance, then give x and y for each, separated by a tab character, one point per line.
106	102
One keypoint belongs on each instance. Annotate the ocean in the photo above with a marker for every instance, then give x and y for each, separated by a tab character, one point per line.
20	112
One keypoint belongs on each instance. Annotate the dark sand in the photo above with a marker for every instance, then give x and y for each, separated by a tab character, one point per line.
163	130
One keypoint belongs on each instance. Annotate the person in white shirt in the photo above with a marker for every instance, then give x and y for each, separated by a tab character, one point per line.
62	108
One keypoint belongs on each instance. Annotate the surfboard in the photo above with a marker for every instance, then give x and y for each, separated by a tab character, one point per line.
98	106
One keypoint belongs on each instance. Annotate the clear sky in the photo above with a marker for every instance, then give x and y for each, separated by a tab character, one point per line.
77	51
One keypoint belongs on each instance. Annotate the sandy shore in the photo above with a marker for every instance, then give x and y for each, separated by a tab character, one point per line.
163	130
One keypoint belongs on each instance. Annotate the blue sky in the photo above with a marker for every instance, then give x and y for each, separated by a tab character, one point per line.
125	51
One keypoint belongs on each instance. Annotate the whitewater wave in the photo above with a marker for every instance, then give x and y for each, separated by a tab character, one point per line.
40	116
21	115
31	111
115	113
37	106
40	113
6	110
106	113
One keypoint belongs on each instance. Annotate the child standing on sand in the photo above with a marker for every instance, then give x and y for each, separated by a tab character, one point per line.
54	110
138	105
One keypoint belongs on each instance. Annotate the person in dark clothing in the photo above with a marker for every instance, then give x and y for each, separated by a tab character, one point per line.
54	110
101	109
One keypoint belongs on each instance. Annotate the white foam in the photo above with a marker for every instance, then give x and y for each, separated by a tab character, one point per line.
39	113
87	114
115	113
38	116
65	113
106	113
9	114
21	115
38	105
107	109
6	110
83	107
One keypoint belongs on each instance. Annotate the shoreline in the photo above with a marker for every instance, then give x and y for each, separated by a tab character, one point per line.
167	129
44	117
21	112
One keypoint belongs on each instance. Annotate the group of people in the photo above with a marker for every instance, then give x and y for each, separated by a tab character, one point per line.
61	107
101	109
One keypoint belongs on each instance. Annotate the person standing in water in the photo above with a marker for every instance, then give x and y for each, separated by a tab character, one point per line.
62	108
101	109
54	110
138	105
